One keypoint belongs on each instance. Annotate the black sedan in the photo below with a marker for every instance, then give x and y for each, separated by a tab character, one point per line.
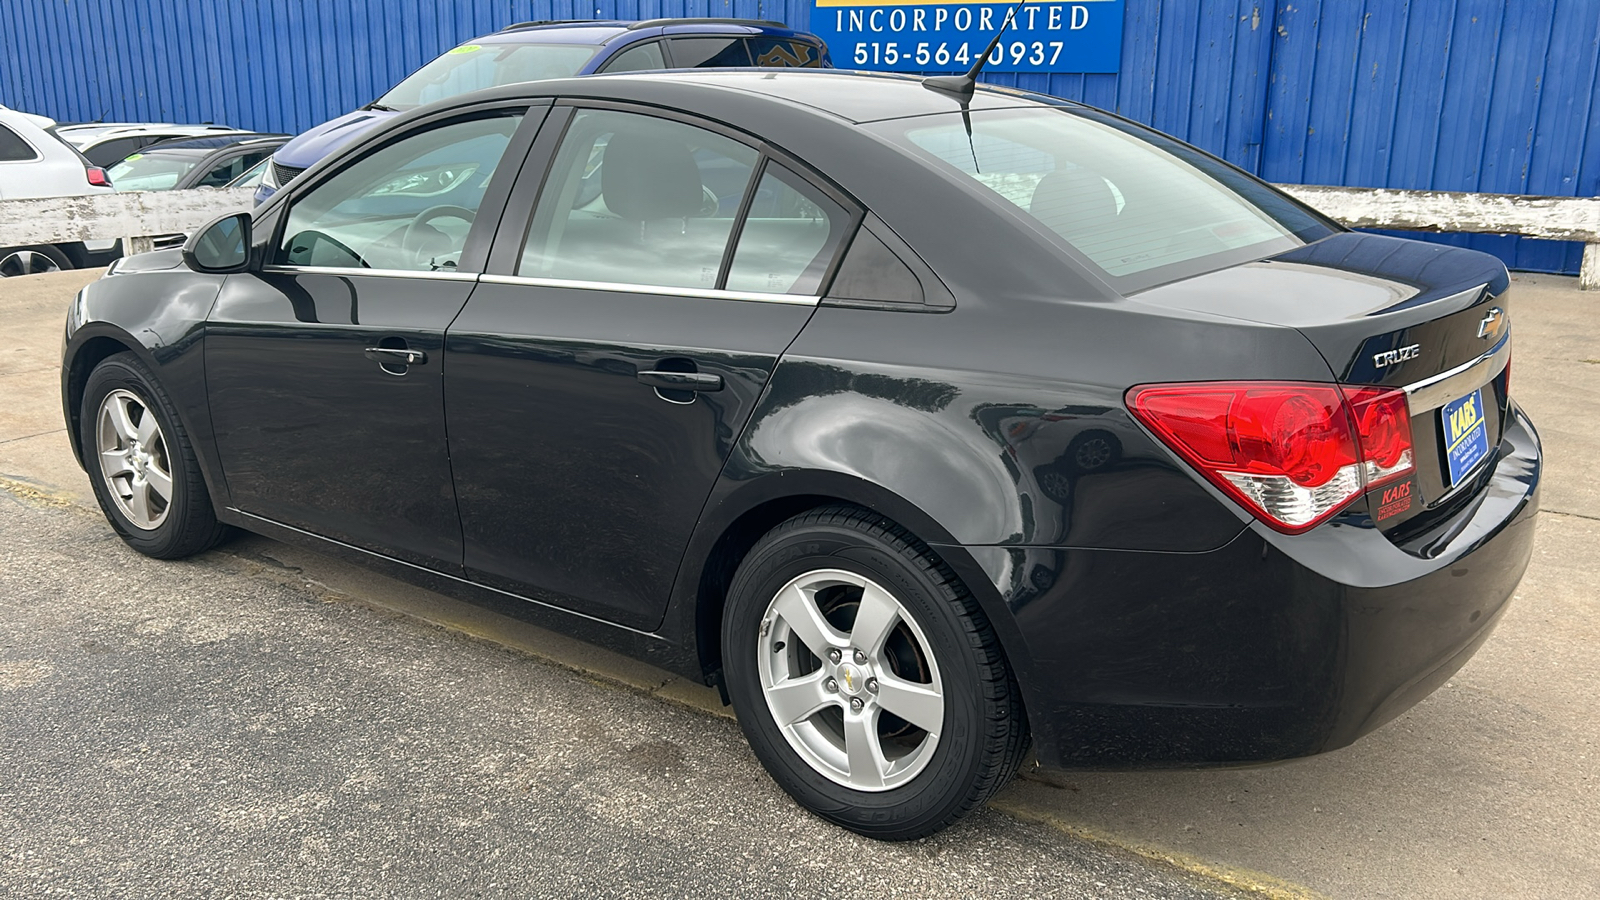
924	425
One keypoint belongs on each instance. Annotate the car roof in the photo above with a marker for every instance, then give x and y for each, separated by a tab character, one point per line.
855	97
603	31
136	130
88	128
204	145
37	121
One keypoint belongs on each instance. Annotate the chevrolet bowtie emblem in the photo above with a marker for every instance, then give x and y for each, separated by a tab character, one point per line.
1487	326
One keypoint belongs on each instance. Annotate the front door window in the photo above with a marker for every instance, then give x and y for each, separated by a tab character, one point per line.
407	207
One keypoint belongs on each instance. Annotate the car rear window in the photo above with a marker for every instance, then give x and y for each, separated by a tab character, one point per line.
784	53
473	67
13	148
151	172
1142	208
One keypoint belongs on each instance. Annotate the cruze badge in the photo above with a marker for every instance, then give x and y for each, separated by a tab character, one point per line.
1391	357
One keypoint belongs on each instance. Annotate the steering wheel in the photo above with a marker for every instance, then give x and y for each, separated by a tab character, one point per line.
315	237
409	242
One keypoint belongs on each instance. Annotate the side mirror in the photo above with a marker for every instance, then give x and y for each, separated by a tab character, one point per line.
221	247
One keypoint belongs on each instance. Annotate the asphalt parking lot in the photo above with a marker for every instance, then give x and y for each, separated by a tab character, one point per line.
265	720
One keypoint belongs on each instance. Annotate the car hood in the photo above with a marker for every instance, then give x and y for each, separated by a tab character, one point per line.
311	146
154	261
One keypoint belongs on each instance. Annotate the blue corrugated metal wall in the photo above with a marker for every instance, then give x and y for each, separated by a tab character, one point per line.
1470	95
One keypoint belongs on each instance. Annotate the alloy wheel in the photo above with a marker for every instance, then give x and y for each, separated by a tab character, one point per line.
850	680
134	459
26	262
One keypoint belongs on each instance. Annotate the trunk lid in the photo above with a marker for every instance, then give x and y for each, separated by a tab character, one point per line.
1428	318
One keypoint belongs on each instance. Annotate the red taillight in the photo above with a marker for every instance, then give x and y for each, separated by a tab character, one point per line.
97	176
1293	453
1383	423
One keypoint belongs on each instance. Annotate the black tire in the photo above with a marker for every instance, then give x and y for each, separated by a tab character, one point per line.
985	732
13	261
190	523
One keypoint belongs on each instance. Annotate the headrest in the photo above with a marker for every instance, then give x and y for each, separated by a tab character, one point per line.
1073	201
648	176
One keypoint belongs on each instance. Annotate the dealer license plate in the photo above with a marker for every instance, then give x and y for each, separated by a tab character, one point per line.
1466	436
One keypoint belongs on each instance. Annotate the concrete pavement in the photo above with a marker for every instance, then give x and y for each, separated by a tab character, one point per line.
1487	789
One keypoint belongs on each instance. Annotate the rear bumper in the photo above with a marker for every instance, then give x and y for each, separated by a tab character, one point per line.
1268	648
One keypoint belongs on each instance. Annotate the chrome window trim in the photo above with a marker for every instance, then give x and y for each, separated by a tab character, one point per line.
1431	393
378	273
663	290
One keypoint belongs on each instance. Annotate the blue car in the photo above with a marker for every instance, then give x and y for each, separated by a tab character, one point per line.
534	51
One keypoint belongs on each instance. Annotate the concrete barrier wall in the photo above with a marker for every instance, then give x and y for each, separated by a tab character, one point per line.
136	215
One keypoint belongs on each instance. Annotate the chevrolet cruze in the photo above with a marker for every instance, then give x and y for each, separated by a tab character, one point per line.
928	426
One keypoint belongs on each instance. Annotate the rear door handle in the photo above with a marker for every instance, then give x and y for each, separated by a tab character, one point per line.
396	357
681	381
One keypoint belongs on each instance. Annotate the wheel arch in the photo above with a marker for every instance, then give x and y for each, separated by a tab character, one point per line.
739	516
84	353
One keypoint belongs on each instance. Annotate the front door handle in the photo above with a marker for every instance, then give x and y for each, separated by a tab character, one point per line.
681	381
395	356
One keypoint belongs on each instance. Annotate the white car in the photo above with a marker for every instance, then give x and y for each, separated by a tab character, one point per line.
108	146
41	121
34	163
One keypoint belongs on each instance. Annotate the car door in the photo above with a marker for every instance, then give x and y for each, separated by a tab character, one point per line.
324	366
627	324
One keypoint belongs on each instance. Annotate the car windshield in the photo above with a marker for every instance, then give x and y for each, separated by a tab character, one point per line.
472	67
150	171
1142	208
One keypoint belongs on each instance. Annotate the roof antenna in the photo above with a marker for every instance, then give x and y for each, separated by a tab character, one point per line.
962	86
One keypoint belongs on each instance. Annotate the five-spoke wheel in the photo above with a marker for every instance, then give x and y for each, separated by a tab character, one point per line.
867	677
848	677
134	460
141	465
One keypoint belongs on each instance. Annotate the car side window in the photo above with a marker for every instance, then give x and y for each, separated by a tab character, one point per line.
408	206
224	172
634	199
709	53
13	148
785	53
789	237
644	57
113	151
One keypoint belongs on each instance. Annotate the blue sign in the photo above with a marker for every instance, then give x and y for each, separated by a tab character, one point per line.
915	36
1466	434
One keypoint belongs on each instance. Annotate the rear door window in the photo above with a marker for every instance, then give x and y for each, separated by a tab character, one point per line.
633	199
788	238
709	53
